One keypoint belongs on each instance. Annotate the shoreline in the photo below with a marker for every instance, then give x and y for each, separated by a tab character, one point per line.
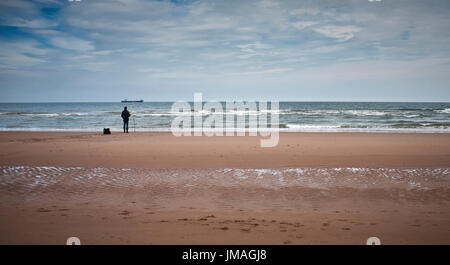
431	130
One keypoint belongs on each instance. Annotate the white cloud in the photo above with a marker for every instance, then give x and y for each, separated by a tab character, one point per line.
22	4
342	33
203	39
18	61
32	23
19	55
303	24
176	75
268	71
305	11
95	66
268	4
72	43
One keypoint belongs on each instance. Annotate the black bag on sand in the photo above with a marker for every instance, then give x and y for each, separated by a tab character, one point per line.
106	131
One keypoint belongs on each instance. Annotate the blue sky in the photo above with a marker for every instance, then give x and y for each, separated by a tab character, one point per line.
96	50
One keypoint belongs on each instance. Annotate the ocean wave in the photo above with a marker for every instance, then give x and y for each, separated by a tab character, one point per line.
151	115
307	127
407	113
207	113
339	112
44	114
365	112
145	113
419	128
443	110
282	128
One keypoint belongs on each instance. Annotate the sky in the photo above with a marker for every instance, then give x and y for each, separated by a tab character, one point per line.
334	50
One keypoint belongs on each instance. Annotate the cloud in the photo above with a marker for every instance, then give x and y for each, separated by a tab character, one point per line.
21	54
72	43
19	4
33	23
304	24
341	33
305	11
191	43
267	71
18	61
268	4
95	66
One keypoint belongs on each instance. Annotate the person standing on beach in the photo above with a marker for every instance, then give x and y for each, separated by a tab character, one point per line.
125	116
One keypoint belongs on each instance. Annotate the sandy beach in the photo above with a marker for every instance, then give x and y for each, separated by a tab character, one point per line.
163	150
154	188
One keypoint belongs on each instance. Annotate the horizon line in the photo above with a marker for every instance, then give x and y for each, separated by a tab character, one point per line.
214	100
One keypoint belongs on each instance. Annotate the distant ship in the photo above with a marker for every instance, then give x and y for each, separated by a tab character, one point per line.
132	101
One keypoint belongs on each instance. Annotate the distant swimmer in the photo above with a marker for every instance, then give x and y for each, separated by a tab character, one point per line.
125	116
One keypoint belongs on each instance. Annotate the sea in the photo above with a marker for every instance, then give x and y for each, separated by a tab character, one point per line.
293	116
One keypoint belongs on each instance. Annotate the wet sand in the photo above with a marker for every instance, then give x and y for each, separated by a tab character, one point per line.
153	188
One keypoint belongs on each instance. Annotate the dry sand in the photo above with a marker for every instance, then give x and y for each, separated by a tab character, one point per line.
169	208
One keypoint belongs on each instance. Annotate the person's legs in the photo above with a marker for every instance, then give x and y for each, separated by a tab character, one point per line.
126	126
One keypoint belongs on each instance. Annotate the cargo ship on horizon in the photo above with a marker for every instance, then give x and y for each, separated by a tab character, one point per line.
132	101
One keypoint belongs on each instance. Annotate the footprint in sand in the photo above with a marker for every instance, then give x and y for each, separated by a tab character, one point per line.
43	210
125	212
345	228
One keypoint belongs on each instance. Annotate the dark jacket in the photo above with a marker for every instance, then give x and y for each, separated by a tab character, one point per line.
125	115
